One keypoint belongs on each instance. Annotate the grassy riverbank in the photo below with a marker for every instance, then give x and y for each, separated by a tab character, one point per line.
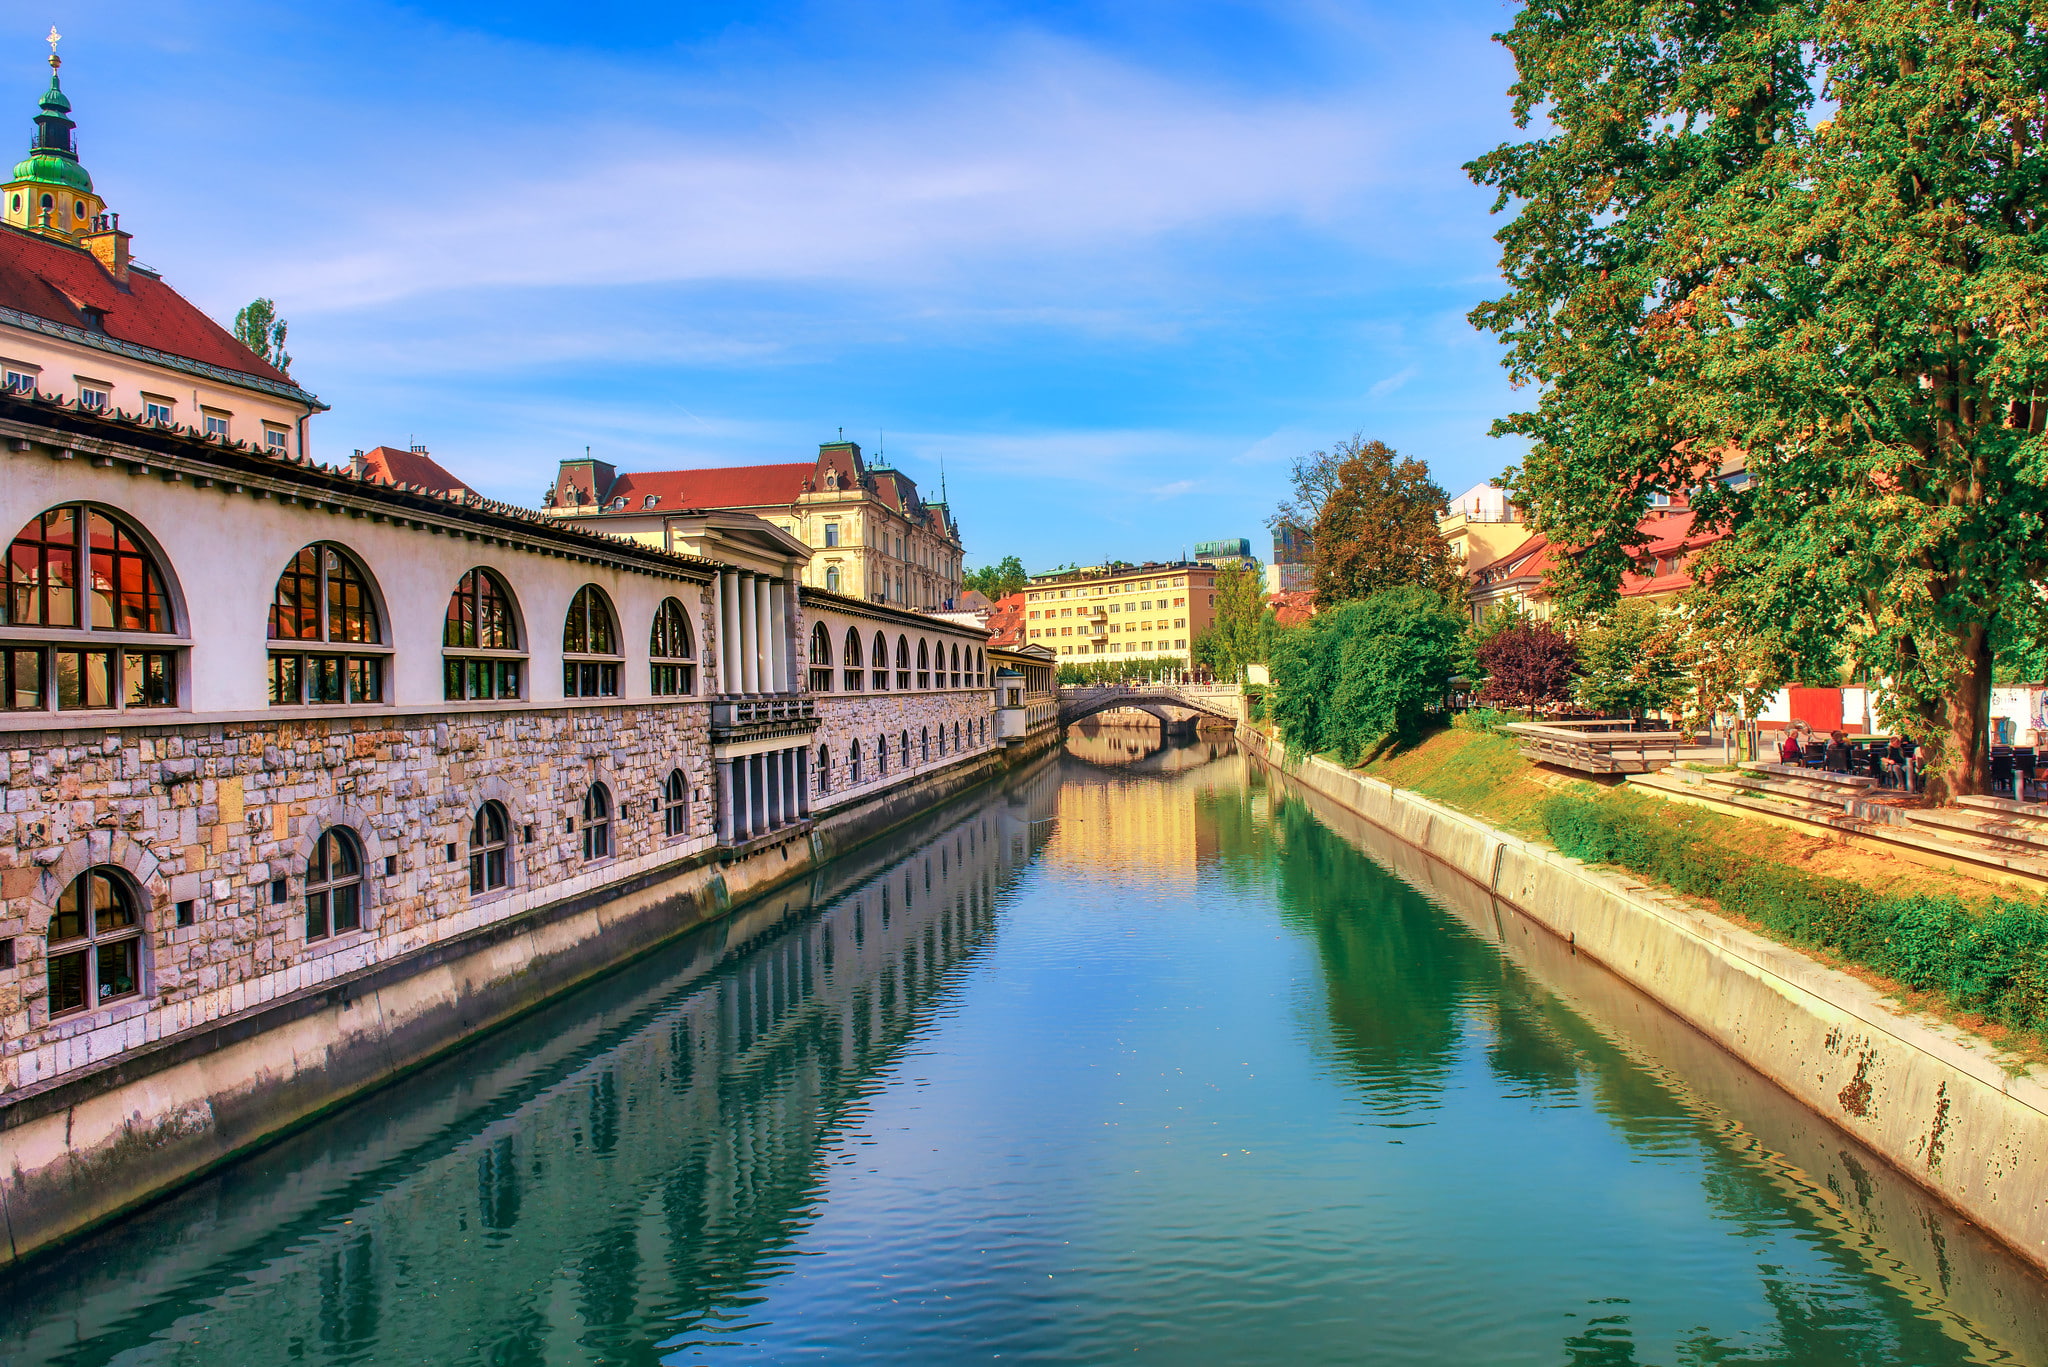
1965	949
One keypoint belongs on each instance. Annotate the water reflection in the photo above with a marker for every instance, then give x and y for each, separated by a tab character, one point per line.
1141	1058
637	1155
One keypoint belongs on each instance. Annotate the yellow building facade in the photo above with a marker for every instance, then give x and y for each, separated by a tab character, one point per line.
1149	612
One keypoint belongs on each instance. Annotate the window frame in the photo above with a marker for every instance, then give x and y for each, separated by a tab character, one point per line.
462	665
57	654
358	663
672	672
90	943
675	805
325	885
486	845
599	815
820	663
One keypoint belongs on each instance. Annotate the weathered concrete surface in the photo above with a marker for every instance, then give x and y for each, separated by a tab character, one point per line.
93	1145
1935	1102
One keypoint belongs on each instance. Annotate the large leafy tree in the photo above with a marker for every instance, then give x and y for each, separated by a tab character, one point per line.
1811	232
1366	671
999	580
1243	627
1629	662
1376	527
1527	664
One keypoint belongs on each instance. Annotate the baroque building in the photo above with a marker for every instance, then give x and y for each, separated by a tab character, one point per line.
872	535
279	738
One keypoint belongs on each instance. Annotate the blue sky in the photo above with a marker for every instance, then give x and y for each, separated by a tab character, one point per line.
1115	263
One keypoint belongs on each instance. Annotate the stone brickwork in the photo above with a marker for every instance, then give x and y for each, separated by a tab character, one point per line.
846	717
214	814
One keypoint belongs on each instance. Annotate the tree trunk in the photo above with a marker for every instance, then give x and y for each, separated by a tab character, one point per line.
1966	726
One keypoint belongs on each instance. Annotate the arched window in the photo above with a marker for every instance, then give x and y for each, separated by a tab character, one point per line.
821	659
832	578
590	630
853	762
95	939
902	662
481	618
903	748
851	663
881	756
980	670
824	769
879	662
942	740
675	804
597	822
955	671
322	601
334	885
488	840
924	745
674	658
956	737
78	568
924	664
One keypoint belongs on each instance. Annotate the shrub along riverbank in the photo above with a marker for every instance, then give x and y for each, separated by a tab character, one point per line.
1990	959
1978	956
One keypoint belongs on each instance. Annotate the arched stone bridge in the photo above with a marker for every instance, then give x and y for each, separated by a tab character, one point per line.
1215	700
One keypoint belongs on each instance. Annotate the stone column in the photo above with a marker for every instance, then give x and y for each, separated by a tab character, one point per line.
803	780
742	801
749	673
756	780
778	634
771	763
764	632
728	808
728	632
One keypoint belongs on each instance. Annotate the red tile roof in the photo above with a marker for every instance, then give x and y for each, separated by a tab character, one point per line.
51	280
1006	621
395	466
735	486
1293	607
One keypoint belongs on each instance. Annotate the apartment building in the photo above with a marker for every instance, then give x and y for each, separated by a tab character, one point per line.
1115	612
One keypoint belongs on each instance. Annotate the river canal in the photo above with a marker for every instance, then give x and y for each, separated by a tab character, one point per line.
1141	1058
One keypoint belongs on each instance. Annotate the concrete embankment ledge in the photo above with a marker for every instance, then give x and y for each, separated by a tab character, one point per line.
85	1148
1931	1099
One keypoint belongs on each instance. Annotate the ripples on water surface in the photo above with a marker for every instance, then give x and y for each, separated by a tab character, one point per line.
1132	1061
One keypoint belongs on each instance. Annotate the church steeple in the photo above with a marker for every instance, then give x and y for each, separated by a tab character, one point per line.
49	192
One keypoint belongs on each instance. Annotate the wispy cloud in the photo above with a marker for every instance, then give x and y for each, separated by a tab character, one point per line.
1394	381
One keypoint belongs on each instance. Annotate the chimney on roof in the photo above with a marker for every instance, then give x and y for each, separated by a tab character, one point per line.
419	450
358	464
107	242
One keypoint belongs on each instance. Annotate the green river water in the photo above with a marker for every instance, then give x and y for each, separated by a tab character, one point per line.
1142	1057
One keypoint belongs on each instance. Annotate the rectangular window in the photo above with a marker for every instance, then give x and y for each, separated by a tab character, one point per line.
479	679
589	679
831	533
20	381
23	682
94	400
673	680
275	438
85	679
158	410
146	678
217	425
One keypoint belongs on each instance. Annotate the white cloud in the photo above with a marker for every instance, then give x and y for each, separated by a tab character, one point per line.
1394	381
1052	149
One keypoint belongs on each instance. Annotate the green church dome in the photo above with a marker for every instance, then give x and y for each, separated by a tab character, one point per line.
47	168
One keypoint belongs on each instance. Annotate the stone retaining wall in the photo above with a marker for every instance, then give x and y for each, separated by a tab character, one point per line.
1932	1100
83	1148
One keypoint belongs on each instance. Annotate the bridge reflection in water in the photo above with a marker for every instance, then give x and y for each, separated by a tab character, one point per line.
1145	1057
639	1153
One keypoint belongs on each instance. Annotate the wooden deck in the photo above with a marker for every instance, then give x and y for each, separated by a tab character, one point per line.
1599	747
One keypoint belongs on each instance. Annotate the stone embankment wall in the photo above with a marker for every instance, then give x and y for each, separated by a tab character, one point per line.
1932	1100
81	1147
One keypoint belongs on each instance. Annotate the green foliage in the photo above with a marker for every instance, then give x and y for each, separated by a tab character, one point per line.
1256	697
1365	671
1629	663
1109	671
999	580
1810	234
1993	961
1242	633
262	331
1485	720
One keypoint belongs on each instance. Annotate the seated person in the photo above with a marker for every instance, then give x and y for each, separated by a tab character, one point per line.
1894	764
1789	752
1837	761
